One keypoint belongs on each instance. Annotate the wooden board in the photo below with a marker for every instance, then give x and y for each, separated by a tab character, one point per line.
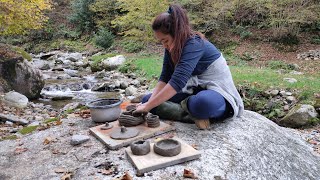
145	133
153	161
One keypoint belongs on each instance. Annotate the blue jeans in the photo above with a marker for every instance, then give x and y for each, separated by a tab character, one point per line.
203	104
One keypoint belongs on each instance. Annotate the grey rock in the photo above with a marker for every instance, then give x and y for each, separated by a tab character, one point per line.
15	99
124	85
274	92
290	80
290	99
131	91
113	62
14	119
299	116
79	139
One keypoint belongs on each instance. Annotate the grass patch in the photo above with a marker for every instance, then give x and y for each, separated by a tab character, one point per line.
27	130
11	137
51	120
265	78
150	66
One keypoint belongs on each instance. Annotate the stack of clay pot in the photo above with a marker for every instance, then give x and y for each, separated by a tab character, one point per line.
153	121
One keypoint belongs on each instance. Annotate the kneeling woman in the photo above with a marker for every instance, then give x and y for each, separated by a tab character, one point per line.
194	73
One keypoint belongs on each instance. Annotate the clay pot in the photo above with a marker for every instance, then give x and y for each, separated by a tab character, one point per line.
167	147
140	147
105	110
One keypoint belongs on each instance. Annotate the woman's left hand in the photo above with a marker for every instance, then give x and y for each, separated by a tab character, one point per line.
142	109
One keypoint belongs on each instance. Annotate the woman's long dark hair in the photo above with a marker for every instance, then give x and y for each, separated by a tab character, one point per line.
176	23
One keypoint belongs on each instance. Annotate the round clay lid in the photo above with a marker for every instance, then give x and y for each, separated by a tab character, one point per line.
124	133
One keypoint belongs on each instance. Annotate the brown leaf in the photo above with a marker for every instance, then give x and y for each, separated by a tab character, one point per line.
60	170
187	173
47	140
59	122
106	171
66	176
126	176
20	150
195	146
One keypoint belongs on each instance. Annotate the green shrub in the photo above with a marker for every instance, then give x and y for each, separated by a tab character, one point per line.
315	40
104	38
277	64
132	46
82	17
243	32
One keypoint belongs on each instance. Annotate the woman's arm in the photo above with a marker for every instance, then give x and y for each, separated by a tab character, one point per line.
160	85
161	96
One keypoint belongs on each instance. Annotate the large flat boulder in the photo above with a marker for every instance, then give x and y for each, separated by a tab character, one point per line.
250	147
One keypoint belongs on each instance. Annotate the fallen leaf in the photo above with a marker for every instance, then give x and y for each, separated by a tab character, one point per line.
20	150
195	146
126	176
106	171
60	170
55	151
187	173
47	140
67	176
59	122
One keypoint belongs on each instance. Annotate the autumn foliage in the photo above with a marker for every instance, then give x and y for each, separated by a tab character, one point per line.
19	16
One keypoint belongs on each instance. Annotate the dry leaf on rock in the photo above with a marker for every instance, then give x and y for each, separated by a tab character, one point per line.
187	173
126	176
20	150
60	170
106	171
48	140
66	176
59	122
195	146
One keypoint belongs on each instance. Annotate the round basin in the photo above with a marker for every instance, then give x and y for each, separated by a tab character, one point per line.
105	110
140	147
167	147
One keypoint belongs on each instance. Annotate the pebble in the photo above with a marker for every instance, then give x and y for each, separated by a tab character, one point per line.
79	139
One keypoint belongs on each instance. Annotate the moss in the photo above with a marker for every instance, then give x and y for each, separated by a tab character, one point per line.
51	120
11	137
23	53
27	130
314	121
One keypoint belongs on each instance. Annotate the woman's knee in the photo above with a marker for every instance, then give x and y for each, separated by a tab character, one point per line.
207	104
146	98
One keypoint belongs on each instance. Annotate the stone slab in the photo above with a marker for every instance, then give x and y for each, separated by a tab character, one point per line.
153	161
145	133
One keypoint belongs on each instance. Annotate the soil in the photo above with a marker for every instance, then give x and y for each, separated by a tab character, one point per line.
264	51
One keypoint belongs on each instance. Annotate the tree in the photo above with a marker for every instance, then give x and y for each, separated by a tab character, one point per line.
82	16
137	17
19	16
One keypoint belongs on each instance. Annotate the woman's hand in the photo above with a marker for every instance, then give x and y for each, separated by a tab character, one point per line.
142	109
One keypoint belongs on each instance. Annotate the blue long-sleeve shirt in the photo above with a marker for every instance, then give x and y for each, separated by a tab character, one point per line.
196	56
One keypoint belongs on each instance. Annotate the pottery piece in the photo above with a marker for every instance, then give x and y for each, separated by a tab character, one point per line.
167	147
124	133
105	110
153	121
128	120
106	126
140	147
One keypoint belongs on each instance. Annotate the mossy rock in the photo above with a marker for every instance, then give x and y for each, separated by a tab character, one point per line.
8	52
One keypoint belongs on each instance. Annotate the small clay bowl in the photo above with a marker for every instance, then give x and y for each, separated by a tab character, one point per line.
140	147
167	147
